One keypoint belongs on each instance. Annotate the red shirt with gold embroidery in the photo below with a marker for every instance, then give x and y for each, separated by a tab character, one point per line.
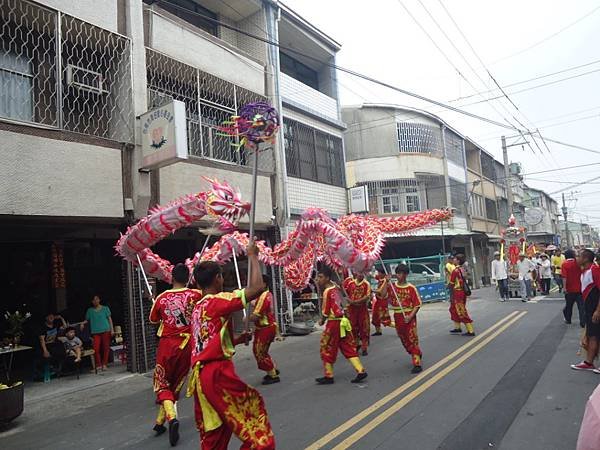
212	326
264	310
332	303
388	293
408	297
173	309
356	290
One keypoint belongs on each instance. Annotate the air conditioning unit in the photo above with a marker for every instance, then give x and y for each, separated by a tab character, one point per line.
85	79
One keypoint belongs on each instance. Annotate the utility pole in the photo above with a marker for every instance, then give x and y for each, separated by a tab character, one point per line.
565	212
509	193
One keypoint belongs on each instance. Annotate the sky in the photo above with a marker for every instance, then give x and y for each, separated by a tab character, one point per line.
515	41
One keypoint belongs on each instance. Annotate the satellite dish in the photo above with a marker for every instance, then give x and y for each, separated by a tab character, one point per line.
533	216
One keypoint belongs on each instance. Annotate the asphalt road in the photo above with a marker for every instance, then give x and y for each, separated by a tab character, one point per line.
510	387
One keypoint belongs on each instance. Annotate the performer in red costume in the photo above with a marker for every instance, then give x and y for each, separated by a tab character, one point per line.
458	299
338	331
223	403
358	290
381	315
265	331
173	310
406	303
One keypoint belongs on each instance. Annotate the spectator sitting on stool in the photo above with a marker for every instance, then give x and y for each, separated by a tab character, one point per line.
51	348
72	343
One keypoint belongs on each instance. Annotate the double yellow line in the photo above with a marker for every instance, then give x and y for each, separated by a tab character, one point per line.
476	343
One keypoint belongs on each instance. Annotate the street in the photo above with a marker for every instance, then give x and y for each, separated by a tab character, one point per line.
510	387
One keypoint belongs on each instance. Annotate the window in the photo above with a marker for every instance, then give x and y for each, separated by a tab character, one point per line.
488	166
313	155
191	12
298	71
458	196
412	199
394	196
454	148
16	80
390	201
476	205
490	209
418	138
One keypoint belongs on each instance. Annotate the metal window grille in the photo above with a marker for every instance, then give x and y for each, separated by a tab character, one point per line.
488	168
419	138
399	196
62	72
499	171
491	211
312	154
476	205
458	196
209	102
454	148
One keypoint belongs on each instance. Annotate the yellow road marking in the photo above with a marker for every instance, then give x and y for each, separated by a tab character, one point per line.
396	392
374	423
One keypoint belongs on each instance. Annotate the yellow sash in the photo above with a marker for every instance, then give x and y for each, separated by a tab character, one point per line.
210	417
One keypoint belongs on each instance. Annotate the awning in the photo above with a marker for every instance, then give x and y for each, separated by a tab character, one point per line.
432	232
493	237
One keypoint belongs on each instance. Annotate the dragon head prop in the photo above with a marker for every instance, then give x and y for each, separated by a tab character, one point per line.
224	204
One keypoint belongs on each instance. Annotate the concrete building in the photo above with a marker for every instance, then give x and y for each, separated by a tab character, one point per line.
76	76
412	160
541	217
581	234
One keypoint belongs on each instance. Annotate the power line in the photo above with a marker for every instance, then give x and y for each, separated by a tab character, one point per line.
539	77
549	83
586	15
348	71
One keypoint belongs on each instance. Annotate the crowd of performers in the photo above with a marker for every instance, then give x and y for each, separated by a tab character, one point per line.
196	333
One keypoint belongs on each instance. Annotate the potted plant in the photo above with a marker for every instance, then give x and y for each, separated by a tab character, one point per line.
15	322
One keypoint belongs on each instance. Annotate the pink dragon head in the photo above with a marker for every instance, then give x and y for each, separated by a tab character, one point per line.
224	203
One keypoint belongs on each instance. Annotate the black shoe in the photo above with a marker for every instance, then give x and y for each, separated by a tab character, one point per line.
159	429
416	369
582	325
524	300
568	322
269	376
456	330
364	353
468	334
270	380
173	432
377	333
359	377
324	380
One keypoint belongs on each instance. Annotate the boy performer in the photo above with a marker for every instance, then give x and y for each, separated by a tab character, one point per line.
406	303
173	310
223	403
458	299
381	314
265	331
338	331
358	290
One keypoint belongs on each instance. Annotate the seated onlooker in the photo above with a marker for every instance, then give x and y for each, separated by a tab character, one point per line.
72	343
50	346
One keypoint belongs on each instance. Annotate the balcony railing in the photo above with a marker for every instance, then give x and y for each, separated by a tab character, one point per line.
313	101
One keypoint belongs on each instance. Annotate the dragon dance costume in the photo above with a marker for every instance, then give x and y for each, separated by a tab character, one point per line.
407	299
265	330
223	403
458	302
173	310
337	334
381	314
358	310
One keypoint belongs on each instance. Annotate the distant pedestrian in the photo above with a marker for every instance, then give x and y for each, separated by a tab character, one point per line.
525	267
545	273
459	291
101	328
590	290
500	276
571	274
556	262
